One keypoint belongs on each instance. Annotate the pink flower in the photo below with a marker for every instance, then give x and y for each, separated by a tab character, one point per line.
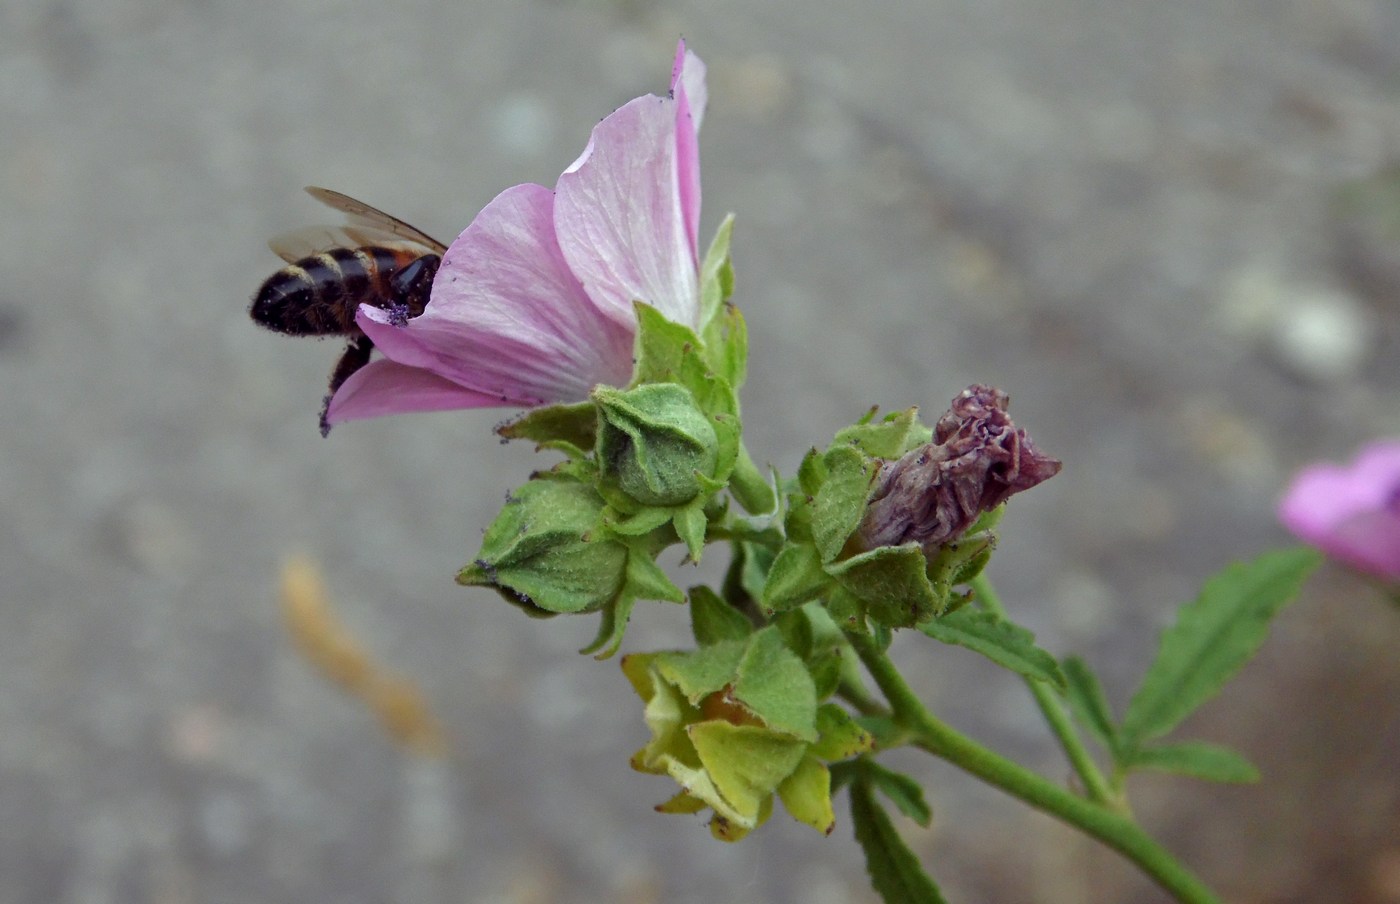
1352	514
532	304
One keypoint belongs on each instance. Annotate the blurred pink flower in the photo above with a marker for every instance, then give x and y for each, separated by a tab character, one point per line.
532	304
1351	513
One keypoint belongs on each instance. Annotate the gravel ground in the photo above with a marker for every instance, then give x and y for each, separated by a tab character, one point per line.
1141	219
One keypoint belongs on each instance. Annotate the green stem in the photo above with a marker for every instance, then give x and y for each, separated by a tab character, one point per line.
1110	827
1095	785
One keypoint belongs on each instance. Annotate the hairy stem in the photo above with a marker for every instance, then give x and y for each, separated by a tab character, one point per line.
1095	785
1114	829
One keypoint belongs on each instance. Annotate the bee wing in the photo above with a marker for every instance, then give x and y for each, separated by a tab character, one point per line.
362	217
302	243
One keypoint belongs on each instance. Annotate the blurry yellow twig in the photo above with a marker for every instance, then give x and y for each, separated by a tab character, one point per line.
327	645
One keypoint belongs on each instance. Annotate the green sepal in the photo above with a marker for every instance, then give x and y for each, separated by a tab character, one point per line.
847	610
635	524
796	577
839	505
963	559
840	736
773	683
1007	644
806	794
751	488
722	829
893	585
1196	759
713	620
690	524
546	549
746	763
683	803
572	424
716	275
611	626
894	435
645	580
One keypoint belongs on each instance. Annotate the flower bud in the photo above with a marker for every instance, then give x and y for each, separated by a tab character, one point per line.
545	552
655	444
978	458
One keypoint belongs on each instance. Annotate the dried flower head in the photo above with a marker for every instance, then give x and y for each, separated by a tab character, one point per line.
978	458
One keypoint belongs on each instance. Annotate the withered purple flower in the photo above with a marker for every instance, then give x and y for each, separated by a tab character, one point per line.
977	460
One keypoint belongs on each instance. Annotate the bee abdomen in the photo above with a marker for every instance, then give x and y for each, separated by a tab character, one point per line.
318	295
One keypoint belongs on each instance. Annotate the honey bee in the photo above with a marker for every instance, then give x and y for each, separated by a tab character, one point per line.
373	259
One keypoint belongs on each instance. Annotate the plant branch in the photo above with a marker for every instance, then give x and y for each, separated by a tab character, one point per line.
1114	829
1095	785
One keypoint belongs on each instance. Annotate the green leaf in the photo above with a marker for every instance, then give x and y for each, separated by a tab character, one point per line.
1196	759
894	870
1212	638
1087	701
796	577
1008	645
903	791
713	620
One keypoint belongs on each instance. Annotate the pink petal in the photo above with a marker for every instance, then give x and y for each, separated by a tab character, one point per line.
620	218
1351	513
688	88
507	318
1369	542
386	387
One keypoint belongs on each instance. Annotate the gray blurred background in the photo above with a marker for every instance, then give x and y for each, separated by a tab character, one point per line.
1167	229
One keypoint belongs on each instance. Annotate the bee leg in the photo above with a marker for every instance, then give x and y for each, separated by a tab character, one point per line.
356	356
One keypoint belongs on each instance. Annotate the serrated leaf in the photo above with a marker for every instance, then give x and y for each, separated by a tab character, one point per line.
894	871
1196	759
1007	644
903	791
1087	701
713	620
1213	637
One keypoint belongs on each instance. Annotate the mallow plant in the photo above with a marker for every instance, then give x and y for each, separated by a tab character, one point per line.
592	307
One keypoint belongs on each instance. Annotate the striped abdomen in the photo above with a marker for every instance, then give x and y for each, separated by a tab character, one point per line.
318	295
